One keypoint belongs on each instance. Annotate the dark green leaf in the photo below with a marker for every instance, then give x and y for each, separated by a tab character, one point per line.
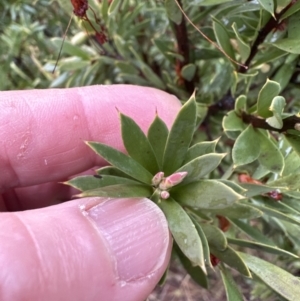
120	191
261	247
112	171
194	271
282	282
183	231
157	135
232	291
84	183
252	232
188	71
215	237
122	162
294	141
137	144
233	259
180	137
237	211
206	194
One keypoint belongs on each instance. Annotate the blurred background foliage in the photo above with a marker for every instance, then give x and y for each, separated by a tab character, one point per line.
150	43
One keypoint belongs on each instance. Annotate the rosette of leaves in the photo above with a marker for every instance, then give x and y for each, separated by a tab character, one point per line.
166	167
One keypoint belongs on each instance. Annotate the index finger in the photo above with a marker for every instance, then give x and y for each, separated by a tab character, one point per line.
42	131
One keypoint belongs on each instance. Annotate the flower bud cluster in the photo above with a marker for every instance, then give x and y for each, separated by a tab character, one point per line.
163	184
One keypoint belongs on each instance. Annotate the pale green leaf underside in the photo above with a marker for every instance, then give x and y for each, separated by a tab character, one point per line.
282	282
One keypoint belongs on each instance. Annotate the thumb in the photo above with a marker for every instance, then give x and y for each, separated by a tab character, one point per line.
87	249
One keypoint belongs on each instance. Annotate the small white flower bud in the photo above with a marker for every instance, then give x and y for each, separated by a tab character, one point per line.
164	195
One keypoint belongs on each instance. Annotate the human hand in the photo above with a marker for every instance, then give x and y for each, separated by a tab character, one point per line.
86	249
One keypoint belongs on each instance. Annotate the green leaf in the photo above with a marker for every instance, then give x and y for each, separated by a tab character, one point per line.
194	271
200	167
268	5
199	149
294	141
232	291
183	231
92	182
270	156
122	162
137	144
173	11
244	48
282	282
261	247
222	37
244	150
237	211
157	136
255	189
291	218
180	137
206	194
112	171
288	44
113	7
188	71
252	232
277	107
233	259
292	10
231	122
119	191
215	237
290	182
265	97
206	252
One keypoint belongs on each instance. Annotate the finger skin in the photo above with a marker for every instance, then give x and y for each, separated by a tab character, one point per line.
42	132
79	250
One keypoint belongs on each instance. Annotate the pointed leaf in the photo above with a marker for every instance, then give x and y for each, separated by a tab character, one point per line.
113	7
206	252
180	137
183	231
282	282
233	259
112	171
252	232
206	194
261	247
237	211
232	291
215	237
255	189
244	150
120	191
222	37
137	144
157	136
200	167
188	71
294	141
195	272
244	48
199	149
122	162
92	182
268	5
265	97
